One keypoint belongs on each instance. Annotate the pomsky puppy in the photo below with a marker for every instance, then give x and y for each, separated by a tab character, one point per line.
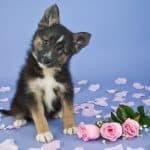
45	87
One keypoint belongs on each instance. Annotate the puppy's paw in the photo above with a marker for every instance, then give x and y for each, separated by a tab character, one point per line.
44	137
19	123
70	131
58	115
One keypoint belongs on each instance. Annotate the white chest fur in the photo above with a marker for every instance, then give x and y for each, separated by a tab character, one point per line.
46	84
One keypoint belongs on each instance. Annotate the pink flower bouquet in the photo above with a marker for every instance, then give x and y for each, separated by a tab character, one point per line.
88	132
111	131
125	122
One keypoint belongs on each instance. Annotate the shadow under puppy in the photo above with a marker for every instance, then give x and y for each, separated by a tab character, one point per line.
45	85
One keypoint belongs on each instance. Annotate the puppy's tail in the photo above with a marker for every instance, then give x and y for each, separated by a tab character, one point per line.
6	112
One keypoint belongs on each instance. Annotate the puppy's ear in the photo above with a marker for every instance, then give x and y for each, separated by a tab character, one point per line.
50	17
80	40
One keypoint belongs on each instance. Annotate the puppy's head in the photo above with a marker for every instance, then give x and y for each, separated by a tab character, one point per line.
53	44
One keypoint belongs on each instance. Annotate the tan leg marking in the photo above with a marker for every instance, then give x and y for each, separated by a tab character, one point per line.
43	133
68	119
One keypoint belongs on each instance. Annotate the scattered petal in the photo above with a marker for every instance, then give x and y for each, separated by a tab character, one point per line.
147	88
5	89
138	95
121	80
4	100
128	104
87	105
90	112
92	101
101	101
112	91
121	94
138	148
118	147
35	149
78	148
138	86
146	101
77	90
2	126
94	87
8	144
10	127
54	145
83	82
119	99
107	116
77	109
114	108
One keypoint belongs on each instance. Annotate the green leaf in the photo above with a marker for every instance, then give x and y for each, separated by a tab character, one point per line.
137	116
145	120
115	118
141	110
121	114
128	110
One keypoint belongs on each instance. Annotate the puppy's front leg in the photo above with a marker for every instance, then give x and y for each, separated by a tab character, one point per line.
43	133
68	118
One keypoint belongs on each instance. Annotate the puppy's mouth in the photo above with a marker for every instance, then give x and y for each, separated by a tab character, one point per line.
46	62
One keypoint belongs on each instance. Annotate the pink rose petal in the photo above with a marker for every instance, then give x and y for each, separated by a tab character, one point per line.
111	131
8	144
138	86
94	87
87	132
121	80
130	128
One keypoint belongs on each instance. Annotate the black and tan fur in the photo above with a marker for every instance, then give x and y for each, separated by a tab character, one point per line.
44	86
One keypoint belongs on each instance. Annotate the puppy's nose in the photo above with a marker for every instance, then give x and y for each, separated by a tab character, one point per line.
47	61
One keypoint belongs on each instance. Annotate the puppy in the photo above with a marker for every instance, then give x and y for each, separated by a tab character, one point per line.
45	87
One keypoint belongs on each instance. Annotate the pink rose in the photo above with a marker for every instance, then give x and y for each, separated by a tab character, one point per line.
111	131
130	128
88	132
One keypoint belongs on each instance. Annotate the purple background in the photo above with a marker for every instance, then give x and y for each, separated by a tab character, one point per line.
120	46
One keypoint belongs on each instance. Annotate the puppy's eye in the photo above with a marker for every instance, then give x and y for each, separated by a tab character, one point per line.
60	48
45	42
